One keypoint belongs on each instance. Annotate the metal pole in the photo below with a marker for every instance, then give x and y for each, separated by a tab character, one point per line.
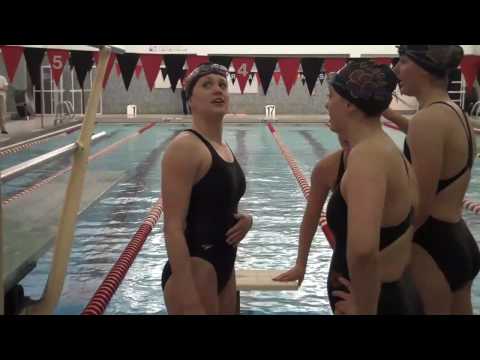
43	103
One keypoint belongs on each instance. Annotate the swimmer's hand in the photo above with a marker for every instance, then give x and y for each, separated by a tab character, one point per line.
345	306
238	231
295	273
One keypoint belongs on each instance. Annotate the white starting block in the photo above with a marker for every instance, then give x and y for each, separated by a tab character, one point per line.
131	111
261	280
270	112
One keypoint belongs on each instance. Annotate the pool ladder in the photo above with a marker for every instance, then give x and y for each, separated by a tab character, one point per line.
61	115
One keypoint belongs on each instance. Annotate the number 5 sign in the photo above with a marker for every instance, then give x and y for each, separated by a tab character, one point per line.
242	66
57	59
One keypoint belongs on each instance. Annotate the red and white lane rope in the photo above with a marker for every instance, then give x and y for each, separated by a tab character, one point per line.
100	300
102	152
302	181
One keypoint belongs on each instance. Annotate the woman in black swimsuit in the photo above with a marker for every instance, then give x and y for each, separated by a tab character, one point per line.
371	208
441	147
202	184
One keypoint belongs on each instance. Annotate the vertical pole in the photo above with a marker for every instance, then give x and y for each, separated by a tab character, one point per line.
43	99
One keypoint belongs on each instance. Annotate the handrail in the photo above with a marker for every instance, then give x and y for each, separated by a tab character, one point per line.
21	168
38	138
474	107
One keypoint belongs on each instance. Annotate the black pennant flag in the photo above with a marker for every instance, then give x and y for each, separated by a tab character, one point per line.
82	62
265	68
311	69
250	78
221	60
127	63
164	73
174	65
34	58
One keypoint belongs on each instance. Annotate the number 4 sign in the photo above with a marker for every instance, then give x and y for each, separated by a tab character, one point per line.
242	66
57	59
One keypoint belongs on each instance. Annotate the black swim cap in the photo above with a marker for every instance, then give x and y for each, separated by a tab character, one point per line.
367	85
438	60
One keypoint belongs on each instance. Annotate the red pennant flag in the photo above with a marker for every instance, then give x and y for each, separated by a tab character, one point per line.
470	66
289	71
57	59
276	77
117	69
383	61
138	71
242	67
111	61
333	64
11	57
194	61
151	67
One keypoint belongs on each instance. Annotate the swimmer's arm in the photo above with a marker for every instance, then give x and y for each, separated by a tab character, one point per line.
426	145
401	121
364	187
322	178
178	175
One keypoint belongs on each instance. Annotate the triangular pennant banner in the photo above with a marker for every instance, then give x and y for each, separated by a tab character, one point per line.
289	71
174	65
164	73
311	70
221	60
57	60
151	66
242	66
128	63
276	77
111	61
303	79
333	64
33	59
138	70
82	62
250	78
470	66
194	61
232	78
117	69
11	57
265	68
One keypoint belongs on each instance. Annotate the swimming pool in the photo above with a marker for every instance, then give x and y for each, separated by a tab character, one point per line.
273	197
